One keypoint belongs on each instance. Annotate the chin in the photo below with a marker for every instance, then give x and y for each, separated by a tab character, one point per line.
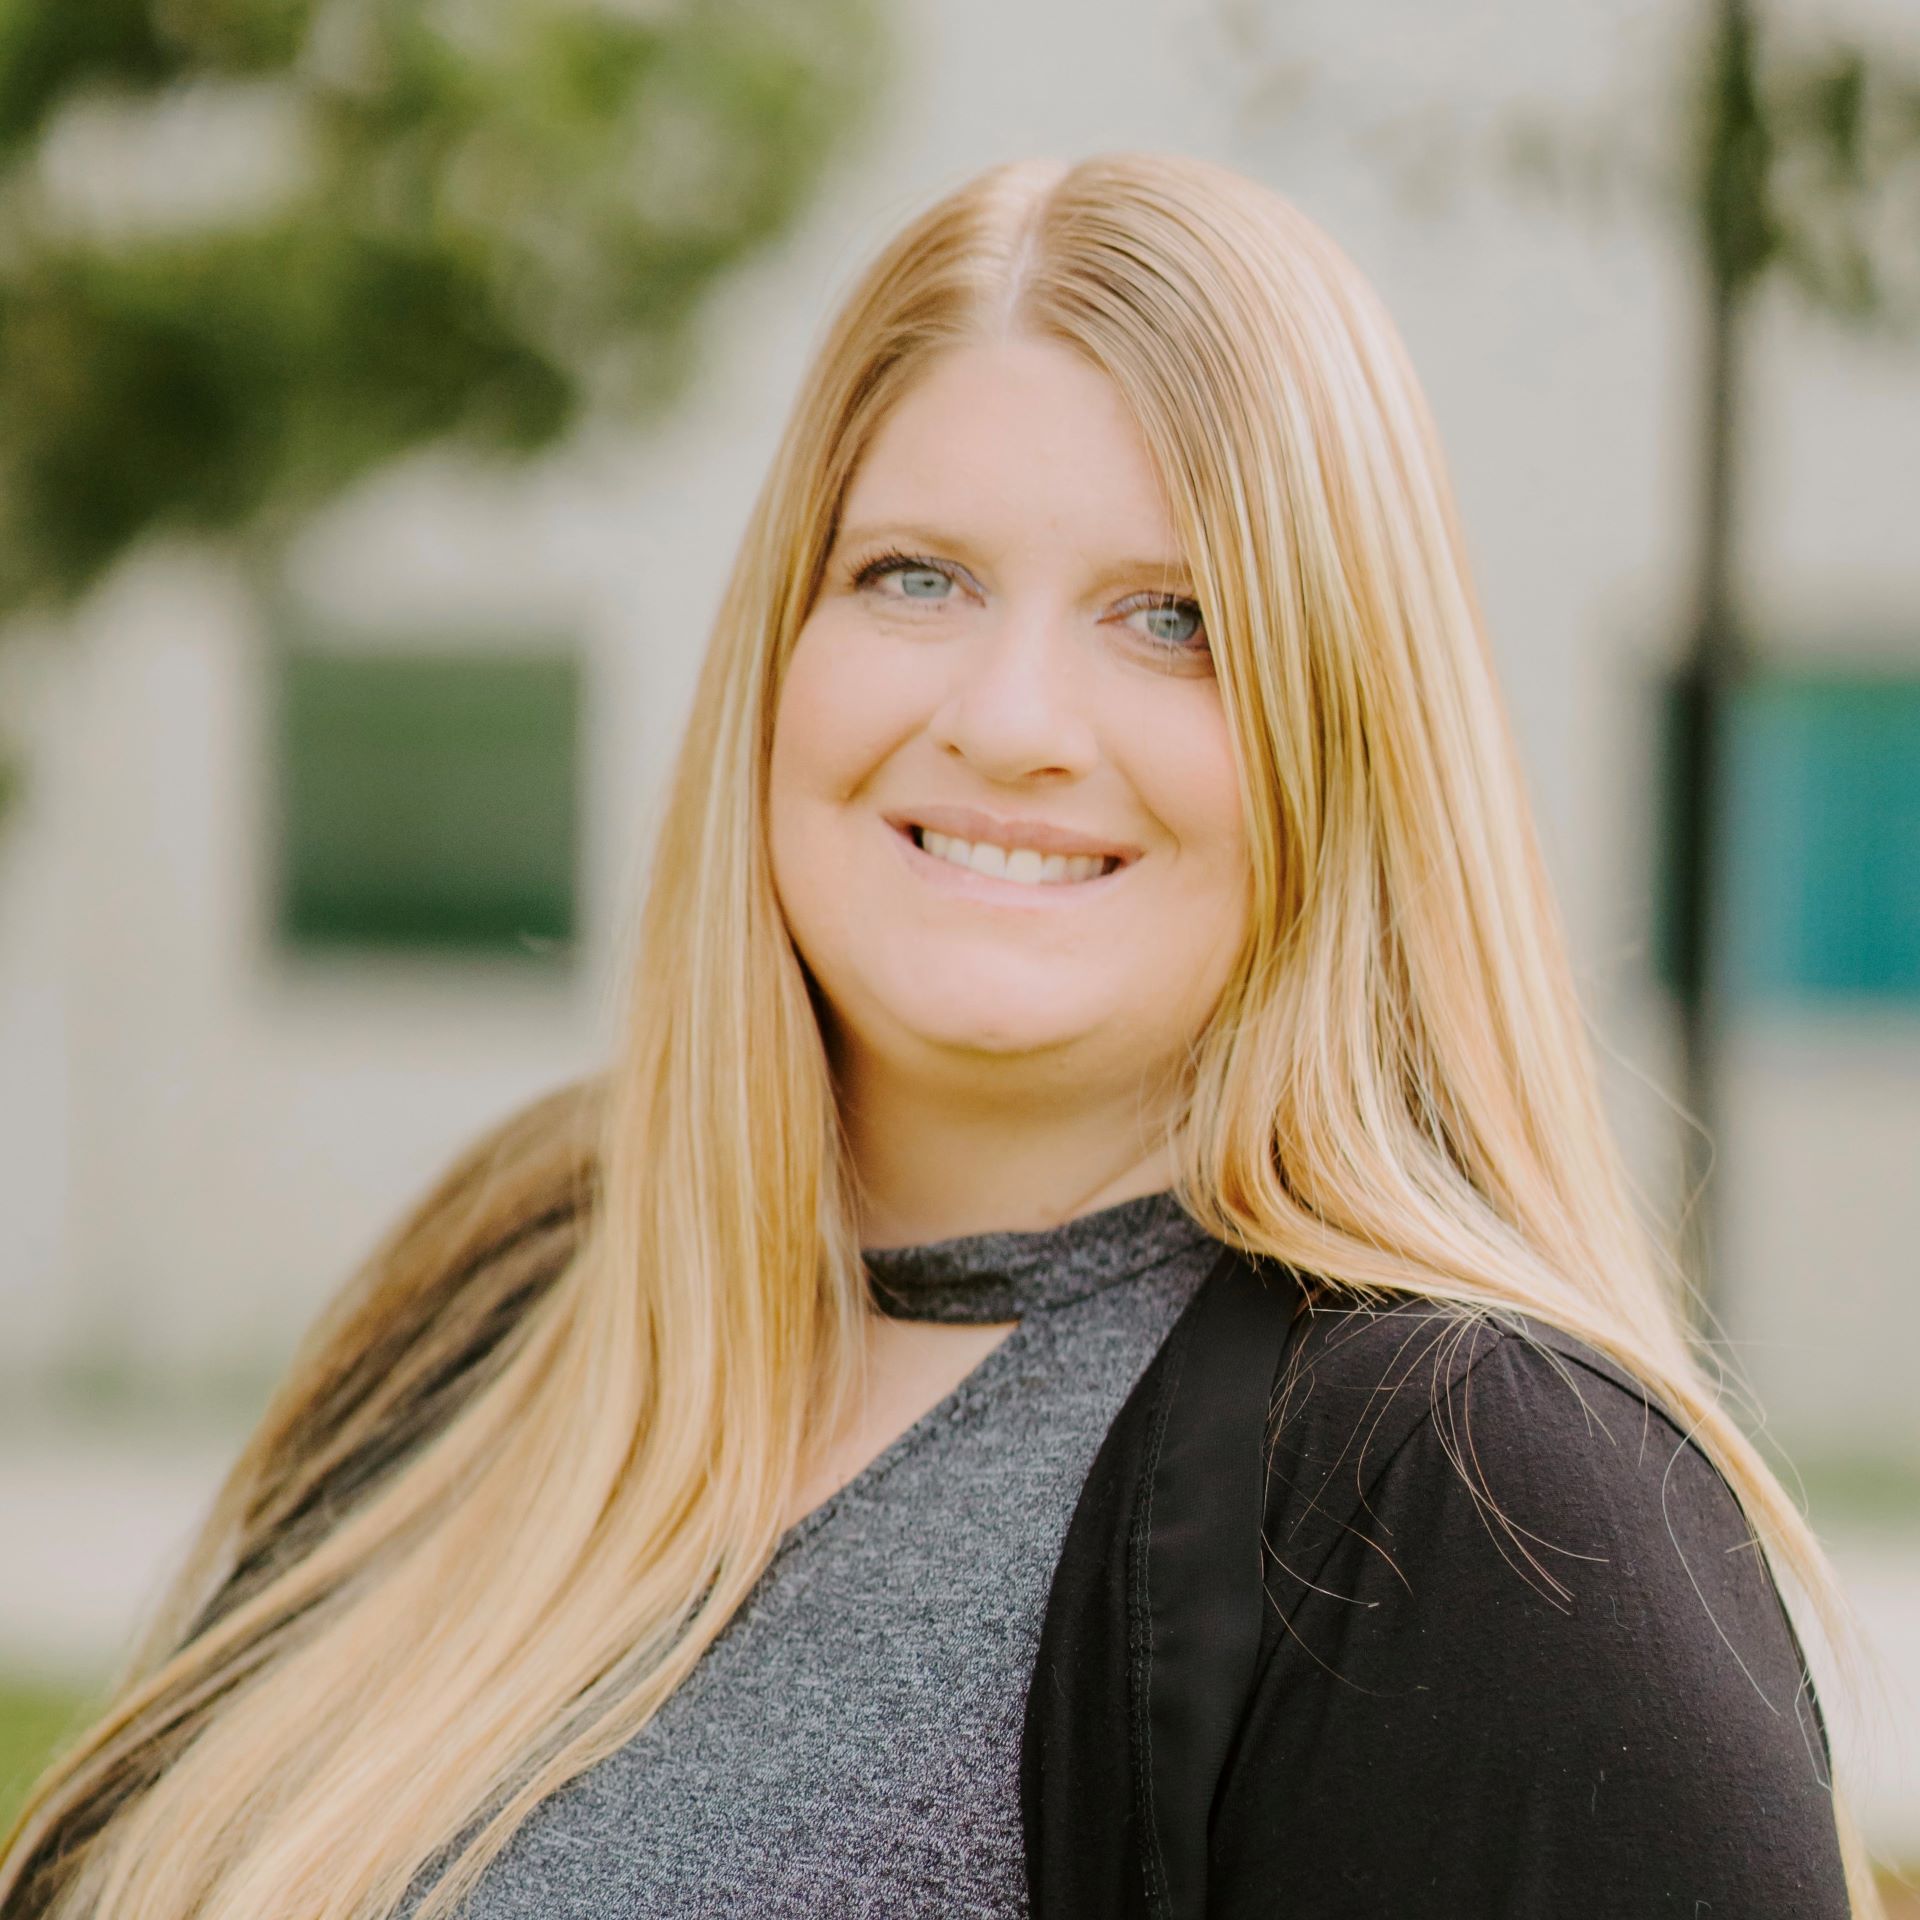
969	1022
998	1040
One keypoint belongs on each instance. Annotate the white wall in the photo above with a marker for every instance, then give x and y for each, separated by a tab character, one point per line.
197	1139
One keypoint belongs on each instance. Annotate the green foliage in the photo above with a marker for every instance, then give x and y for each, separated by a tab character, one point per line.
503	213
35	1720
1846	186
1807	161
1786	154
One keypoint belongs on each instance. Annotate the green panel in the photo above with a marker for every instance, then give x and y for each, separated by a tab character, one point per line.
1820	810
428	800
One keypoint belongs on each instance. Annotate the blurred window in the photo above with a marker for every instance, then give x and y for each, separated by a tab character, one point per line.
428	800
1821	809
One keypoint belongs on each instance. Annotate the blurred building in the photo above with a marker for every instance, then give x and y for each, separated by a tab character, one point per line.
234	1046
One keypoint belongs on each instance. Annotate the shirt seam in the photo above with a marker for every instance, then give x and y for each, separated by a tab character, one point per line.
1153	1862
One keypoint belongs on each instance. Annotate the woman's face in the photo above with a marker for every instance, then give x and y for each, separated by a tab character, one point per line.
1003	811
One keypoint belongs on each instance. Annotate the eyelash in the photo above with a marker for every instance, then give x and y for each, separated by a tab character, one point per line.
893	559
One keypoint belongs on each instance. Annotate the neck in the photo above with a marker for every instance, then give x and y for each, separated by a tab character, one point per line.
933	1161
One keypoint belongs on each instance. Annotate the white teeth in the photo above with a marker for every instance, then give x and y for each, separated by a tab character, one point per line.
1024	865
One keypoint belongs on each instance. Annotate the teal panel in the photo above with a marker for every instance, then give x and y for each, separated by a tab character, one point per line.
428	800
1820	888
1823	872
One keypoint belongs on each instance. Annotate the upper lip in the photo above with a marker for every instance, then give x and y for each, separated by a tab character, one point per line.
965	823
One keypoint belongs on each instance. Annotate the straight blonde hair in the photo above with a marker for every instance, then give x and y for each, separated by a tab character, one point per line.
533	1460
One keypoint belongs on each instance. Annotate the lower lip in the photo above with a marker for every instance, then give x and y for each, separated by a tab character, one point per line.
989	891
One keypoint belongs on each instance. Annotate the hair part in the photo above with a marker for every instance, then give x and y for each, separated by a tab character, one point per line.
528	1467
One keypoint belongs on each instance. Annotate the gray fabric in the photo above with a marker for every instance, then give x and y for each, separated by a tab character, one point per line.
850	1745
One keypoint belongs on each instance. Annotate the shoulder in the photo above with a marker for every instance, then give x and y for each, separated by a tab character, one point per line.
1502	1422
1497	1496
1358	1381
1512	1601
1358	1384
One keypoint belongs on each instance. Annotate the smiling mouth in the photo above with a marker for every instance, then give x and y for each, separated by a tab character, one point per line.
1025	866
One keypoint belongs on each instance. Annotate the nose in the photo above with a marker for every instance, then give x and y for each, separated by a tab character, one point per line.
1016	705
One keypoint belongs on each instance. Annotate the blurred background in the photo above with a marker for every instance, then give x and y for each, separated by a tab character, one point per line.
383	388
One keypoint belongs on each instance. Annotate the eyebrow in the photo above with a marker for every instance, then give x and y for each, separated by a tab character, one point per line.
1167	573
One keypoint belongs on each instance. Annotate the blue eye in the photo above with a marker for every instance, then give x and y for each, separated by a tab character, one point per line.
1173	623
923	583
917	579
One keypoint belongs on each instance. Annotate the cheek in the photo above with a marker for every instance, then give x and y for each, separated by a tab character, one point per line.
840	714
800	769
837	720
1186	776
1207	912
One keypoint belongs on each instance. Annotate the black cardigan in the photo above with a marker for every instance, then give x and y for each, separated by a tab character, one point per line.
1354	1681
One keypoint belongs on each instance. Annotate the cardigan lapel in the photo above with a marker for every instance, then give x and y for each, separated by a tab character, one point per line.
1152	1630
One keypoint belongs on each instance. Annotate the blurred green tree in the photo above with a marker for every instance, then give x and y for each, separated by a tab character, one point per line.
251	249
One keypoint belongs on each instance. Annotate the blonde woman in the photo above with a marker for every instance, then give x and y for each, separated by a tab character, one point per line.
1090	1356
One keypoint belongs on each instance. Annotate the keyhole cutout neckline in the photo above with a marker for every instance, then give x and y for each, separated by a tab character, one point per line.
976	1280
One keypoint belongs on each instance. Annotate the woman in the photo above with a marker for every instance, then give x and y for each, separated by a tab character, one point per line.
1096	879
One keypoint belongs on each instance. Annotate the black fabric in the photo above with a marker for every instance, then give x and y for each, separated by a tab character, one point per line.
1080	1802
1519	1655
1147	1654
1197	1568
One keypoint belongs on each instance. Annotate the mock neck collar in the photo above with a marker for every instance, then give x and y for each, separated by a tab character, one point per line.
1006	1275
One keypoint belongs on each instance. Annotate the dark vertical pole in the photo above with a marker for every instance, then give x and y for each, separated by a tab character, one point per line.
1731	178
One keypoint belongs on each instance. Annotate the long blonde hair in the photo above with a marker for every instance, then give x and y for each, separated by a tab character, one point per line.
533	1460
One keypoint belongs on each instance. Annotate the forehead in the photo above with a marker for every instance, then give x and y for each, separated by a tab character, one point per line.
1014	442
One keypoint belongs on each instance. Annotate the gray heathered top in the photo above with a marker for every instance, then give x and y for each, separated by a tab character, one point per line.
850	1745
